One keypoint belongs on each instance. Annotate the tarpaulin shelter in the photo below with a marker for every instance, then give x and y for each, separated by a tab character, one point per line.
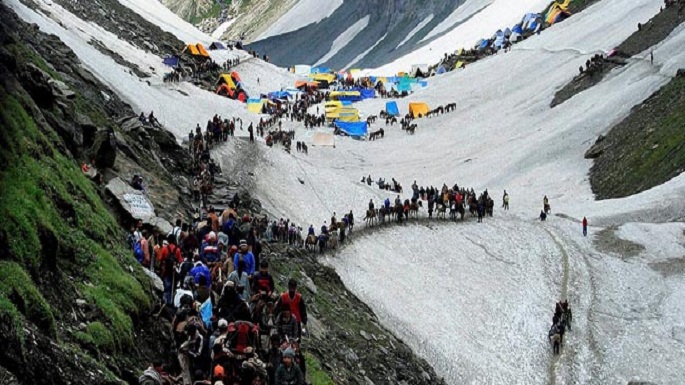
557	12
459	64
217	45
392	109
278	95
441	70
352	128
255	105
367	93
330	78
345	114
171	61
346	95
323	139
192	49
418	109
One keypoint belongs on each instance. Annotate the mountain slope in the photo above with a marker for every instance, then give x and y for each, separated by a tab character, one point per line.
396	29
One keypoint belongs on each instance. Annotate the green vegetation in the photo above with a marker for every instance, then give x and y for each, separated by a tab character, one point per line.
646	149
213	12
16	285
102	338
315	374
56	229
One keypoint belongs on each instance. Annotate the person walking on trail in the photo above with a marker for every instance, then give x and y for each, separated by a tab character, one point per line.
152	375
651	57
584	227
505	200
289	373
169	258
293	299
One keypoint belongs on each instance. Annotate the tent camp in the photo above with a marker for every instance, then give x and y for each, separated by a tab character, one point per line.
391	108
355	129
323	139
418	109
217	45
229	85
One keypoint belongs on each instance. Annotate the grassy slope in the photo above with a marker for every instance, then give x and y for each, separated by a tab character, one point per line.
56	235
646	149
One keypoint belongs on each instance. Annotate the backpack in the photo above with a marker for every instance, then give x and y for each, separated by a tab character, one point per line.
138	252
170	260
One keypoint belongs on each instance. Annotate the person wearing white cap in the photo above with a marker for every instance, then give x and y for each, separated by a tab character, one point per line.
288	373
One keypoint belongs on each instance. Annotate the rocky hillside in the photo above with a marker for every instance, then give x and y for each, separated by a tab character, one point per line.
644	150
248	18
71	294
389	22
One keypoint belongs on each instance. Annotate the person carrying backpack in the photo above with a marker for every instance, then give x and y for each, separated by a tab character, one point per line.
245	254
170	257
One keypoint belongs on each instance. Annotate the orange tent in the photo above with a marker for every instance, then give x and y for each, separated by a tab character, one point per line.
193	50
202	51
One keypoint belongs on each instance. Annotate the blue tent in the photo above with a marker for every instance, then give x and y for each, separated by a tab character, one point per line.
171	61
352	128
517	29
441	70
278	95
346	102
320	70
391	109
217	45
484	44
368	94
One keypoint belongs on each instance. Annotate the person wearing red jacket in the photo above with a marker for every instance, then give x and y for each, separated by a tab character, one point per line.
169	258
584	227
293	299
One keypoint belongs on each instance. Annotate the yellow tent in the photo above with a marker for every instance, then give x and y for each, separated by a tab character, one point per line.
201	49
255	106
418	109
333	104
337	94
226	79
458	65
345	114
323	77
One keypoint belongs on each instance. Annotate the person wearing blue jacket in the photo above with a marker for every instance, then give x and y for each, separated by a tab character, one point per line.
387	203
200	270
245	255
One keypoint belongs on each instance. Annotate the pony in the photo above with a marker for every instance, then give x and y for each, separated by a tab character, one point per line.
310	243
370	217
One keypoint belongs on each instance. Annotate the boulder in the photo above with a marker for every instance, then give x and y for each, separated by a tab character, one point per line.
134	202
154	279
104	149
594	152
161	225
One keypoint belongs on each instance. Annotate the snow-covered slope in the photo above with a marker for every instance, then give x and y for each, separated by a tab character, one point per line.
303	13
179	106
477	299
398	32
